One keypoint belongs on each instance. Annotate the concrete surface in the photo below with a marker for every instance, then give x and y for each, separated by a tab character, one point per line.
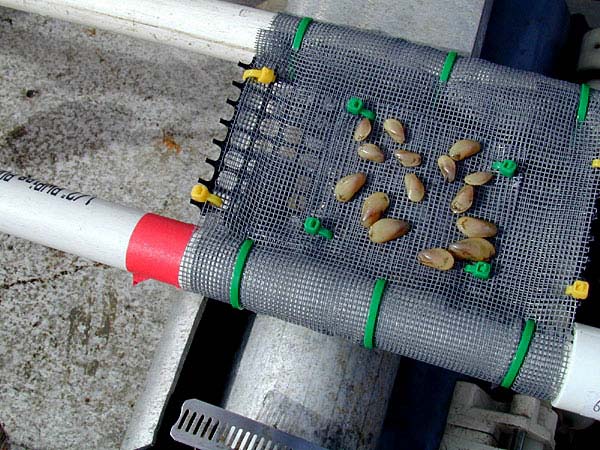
130	122
163	374
445	24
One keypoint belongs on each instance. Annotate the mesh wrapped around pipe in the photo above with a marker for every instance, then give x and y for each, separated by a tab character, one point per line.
290	141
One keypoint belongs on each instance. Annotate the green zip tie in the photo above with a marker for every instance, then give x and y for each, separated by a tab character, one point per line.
373	312
520	354
238	271
584	99
448	65
300	32
356	106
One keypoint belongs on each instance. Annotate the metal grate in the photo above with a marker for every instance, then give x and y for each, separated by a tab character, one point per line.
207	427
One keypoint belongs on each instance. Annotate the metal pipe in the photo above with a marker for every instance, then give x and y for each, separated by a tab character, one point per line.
211	27
321	388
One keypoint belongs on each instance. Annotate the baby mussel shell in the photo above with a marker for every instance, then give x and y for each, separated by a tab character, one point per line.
472	249
373	208
463	149
476	228
479	178
371	152
438	258
349	185
385	230
447	167
395	129
414	187
408	159
463	200
362	130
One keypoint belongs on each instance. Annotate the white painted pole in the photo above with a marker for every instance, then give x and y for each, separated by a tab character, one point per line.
580	391
66	220
210	27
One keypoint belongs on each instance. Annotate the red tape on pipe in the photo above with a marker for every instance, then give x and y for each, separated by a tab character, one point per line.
156	247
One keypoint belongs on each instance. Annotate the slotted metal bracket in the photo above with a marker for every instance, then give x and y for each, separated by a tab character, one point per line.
209	427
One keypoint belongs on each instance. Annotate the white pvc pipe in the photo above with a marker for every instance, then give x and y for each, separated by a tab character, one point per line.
101	231
580	391
210	27
66	220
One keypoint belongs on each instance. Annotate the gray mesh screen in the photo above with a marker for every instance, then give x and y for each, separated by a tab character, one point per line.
291	141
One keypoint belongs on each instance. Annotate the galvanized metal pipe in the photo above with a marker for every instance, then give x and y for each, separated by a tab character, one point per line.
321	388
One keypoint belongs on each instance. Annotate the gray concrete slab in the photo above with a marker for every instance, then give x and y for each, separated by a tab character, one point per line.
130	122
444	24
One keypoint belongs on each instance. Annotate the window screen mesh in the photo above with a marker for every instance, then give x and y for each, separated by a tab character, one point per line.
288	144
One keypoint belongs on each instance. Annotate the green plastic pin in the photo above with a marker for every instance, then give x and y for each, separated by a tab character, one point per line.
480	269
368	114
356	106
507	168
313	226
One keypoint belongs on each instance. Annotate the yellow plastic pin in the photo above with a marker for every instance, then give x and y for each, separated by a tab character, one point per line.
264	75
579	290
596	163
201	194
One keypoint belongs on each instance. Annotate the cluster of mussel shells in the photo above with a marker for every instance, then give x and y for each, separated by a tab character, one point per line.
475	246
